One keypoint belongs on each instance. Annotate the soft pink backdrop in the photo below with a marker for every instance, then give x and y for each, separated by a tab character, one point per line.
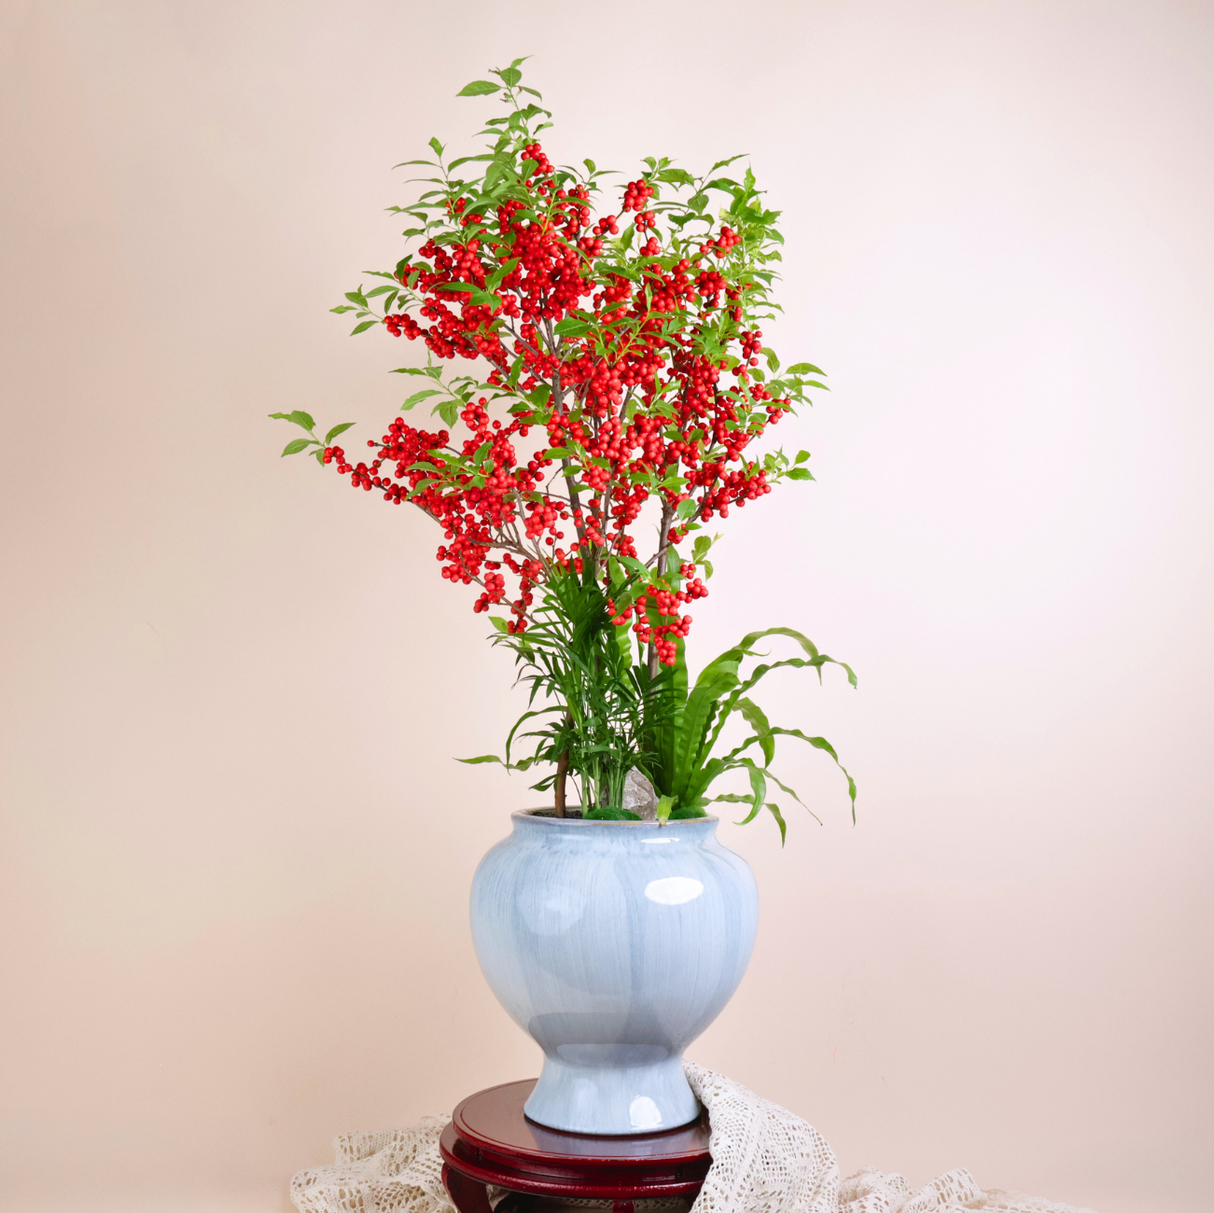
236	850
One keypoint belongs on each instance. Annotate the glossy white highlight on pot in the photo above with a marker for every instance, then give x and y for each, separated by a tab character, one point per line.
673	890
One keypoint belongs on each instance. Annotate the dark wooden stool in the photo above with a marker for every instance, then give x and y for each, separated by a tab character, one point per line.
490	1141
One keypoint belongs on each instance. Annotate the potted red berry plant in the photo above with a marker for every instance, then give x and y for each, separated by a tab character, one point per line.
614	398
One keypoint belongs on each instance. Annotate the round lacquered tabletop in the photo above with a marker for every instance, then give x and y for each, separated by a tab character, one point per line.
493	1121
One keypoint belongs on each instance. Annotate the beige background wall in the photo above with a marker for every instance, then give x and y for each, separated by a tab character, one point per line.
236	852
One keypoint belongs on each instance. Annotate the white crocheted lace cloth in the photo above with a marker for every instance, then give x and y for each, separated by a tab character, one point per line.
764	1160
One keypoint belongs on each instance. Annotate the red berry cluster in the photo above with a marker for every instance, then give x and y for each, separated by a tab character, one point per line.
605	420
721	246
636	194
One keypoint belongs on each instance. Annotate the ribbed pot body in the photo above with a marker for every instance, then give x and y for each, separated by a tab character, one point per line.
614	945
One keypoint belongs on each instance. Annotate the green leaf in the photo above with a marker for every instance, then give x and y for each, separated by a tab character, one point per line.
799	474
296	445
337	429
758	789
715	682
479	88
418	397
752	638
820	743
511	76
493	280
758	721
774	810
664	806
469	160
299	417
804	368
802	456
362	328
482	758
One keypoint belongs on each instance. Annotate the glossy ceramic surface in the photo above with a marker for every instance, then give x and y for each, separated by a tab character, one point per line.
614	944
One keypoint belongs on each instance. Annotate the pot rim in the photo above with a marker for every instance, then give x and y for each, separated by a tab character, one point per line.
534	815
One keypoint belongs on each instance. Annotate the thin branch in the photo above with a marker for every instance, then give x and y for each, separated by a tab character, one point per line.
663	544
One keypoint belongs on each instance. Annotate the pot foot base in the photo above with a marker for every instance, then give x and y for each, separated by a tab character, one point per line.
612	1101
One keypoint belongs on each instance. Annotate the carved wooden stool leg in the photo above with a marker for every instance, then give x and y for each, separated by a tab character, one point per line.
468	1195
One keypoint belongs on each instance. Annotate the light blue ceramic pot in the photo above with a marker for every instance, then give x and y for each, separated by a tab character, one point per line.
614	944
